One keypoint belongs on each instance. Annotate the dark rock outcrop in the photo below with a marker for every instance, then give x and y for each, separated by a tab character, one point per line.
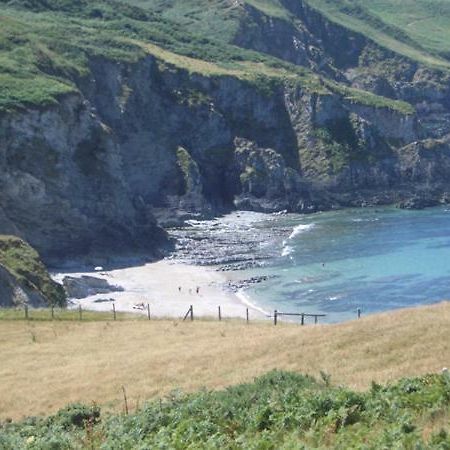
267	184
23	277
82	287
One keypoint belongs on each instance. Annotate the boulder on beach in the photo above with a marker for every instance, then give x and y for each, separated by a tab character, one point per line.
85	286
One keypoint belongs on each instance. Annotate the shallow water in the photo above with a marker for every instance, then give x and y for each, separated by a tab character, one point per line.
335	262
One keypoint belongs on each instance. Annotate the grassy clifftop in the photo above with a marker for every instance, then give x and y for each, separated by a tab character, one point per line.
46	46
418	29
24	264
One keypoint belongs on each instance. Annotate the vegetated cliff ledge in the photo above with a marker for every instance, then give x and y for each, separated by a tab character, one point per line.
164	137
23	277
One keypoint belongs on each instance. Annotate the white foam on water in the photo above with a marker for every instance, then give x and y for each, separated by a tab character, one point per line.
375	219
287	250
197	223
301	229
245	299
297	230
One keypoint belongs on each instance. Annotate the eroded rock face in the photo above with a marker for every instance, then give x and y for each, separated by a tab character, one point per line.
267	184
14	295
62	184
11	293
24	278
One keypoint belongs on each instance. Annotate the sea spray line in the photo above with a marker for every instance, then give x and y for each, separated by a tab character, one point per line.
287	249
375	219
244	298
300	229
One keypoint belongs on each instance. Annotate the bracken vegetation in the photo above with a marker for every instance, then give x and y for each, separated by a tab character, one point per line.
280	410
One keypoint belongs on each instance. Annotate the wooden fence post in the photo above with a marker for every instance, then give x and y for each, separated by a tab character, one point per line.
247	315
192	313
125	400
220	314
114	311
80	312
148	311
303	319
275	317
26	311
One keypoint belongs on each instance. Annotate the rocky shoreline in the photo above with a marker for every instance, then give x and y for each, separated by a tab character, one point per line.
237	241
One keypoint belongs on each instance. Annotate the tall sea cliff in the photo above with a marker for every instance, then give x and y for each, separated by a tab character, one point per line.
331	119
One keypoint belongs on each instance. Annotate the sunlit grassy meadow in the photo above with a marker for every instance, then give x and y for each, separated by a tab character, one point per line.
47	364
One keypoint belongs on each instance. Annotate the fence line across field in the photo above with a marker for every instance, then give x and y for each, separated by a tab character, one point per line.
277	314
189	314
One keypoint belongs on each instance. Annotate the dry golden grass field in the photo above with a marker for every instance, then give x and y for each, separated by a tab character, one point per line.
44	365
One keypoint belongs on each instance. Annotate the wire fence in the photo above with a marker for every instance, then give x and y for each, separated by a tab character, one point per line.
146	313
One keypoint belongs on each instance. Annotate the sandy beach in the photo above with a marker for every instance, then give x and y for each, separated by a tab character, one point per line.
158	284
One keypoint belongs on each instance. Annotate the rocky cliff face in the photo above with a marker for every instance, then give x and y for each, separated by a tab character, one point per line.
23	277
327	48
63	186
148	141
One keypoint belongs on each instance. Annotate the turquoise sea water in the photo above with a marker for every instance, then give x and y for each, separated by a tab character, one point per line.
336	262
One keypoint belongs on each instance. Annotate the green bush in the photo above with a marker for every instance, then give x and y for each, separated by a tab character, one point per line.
76	415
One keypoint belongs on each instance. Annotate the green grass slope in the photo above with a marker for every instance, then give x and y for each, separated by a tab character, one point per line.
46	45
417	29
24	264
424	21
278	411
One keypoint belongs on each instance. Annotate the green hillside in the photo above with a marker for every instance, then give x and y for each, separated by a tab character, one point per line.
426	22
415	28
418	29
45	46
278	411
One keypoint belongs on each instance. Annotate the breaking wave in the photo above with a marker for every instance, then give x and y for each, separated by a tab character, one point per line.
301	229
